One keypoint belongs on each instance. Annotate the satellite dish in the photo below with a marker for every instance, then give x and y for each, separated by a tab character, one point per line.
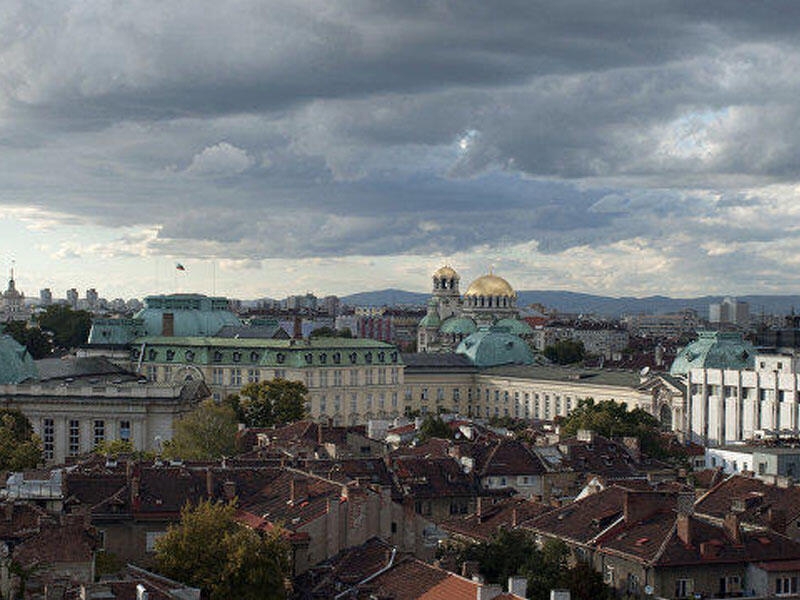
648	589
644	371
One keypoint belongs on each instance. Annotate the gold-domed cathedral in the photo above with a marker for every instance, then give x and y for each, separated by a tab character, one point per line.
488	301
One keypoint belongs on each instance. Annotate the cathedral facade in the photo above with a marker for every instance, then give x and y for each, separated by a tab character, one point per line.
488	302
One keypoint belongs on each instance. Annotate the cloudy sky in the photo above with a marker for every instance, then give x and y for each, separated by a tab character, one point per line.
312	145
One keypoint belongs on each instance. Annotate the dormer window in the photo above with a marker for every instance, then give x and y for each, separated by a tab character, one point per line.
309	358
151	355
254	357
323	358
170	354
394	357
337	357
217	356
189	356
353	357
381	356
280	358
368	358
237	357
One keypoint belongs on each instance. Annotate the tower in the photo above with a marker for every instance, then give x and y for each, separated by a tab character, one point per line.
445	292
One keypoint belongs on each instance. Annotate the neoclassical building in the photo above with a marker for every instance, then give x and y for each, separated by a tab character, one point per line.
488	301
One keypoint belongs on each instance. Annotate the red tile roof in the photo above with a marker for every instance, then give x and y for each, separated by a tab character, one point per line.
494	516
754	500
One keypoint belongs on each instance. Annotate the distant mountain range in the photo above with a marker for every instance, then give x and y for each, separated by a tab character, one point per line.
573	302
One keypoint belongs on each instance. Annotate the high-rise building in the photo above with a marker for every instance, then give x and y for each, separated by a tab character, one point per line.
72	298
45	297
91	298
729	311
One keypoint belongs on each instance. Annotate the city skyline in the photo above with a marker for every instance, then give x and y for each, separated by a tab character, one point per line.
289	147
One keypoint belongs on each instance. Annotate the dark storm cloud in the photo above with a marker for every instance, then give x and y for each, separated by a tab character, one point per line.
289	129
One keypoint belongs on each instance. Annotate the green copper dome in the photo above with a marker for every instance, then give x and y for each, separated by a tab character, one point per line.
16	365
515	326
715	350
459	326
490	348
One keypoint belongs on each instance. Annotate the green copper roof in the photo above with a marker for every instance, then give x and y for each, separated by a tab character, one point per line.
277	353
515	326
490	348
459	325
715	350
16	365
115	331
430	320
192	314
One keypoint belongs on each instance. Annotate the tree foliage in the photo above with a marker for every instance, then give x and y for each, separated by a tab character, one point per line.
33	338
272	402
209	550
20	448
70	327
613	419
329	332
209	431
434	427
514	552
565	352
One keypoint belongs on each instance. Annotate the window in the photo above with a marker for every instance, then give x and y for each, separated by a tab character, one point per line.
170	354
152	372
382	376
167	373
48	438
217	356
323	379
151	354
99	432
684	588
125	431
236	377
309	379
323	358
189	356
608	575
456	394
353	403
280	357
785	586
337	404
151	539
280	373
369	402
633	584
439	394
323	402
353	376
237	357
381	401
368	358
217	375
368	374
423	395
395	375
254	357
337	358
74	437
252	375
337	378
394	400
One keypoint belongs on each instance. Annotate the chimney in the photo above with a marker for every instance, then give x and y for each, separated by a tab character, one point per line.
776	518
229	490
514	517
685	529
209	483
518	585
9	510
633	446
298	328
469	568
559	595
487	592
732	528
479	509
319	434
134	487
299	489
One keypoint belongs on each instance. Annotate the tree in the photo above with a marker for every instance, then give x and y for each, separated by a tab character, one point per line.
70	327
268	403
33	338
565	352
19	447
209	431
514	552
613	419
328	332
434	427
210	550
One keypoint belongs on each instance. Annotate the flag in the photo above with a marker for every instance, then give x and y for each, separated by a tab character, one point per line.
180	267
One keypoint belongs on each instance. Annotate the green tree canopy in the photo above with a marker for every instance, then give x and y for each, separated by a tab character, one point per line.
33	338
514	552
325	331
565	352
210	550
70	327
209	431
434	426
20	448
613	419
272	402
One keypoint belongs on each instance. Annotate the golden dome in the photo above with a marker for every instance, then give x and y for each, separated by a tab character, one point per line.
490	285
446	272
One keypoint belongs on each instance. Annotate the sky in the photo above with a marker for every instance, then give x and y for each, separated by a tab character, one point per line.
280	147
